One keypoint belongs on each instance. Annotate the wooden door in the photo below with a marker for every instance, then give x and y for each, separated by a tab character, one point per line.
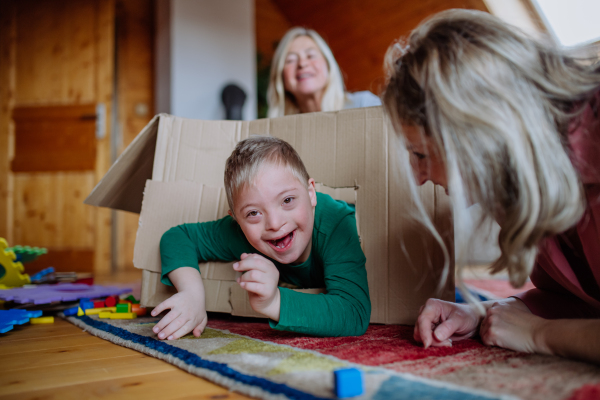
55	55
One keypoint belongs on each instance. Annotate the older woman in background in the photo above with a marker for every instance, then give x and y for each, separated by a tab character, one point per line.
306	78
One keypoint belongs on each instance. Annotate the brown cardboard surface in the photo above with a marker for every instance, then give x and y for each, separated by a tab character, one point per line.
349	152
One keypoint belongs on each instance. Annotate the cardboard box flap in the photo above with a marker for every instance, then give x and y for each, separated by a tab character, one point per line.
122	187
195	203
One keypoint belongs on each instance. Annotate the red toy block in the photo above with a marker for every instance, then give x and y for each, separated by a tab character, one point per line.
110	301
99	304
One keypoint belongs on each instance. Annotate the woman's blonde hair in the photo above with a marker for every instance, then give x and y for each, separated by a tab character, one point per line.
283	103
498	104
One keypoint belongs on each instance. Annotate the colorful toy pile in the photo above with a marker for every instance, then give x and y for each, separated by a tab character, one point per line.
112	308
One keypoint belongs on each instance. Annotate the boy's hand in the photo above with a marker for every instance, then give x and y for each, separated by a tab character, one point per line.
260	280
188	313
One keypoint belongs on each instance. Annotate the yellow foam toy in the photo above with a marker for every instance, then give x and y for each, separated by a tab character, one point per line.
11	272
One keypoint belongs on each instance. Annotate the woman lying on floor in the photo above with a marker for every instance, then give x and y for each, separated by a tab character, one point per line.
504	121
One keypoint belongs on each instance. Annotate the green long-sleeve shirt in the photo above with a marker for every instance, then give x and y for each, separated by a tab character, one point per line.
336	262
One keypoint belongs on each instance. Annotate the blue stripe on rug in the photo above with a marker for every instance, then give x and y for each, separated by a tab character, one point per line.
197	361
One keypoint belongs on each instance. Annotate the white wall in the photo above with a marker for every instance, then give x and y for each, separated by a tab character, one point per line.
211	43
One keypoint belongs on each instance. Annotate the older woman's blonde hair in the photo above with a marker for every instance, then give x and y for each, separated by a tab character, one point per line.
498	104
281	102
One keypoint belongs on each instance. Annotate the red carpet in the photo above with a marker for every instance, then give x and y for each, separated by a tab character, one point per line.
466	363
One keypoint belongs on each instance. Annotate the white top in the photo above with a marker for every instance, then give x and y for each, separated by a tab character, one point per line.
361	99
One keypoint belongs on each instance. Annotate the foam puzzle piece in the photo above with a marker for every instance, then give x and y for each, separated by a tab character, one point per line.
44	294
11	271
27	254
10	318
348	382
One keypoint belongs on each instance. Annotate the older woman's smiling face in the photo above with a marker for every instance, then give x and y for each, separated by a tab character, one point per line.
305	71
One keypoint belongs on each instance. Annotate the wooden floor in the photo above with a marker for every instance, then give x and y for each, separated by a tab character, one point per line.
60	361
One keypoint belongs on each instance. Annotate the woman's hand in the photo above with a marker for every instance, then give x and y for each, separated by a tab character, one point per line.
260	280
440	322
513	326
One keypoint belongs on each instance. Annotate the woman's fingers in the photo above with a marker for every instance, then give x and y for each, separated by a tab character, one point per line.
429	317
446	329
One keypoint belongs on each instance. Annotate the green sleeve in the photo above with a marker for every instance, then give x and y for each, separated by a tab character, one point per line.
345	310
188	244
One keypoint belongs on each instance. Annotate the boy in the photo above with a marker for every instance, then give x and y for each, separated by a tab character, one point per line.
277	231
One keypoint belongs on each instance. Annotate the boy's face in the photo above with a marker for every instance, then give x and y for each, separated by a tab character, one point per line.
276	214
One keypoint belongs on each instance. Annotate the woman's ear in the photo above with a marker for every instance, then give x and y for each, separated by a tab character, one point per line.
312	192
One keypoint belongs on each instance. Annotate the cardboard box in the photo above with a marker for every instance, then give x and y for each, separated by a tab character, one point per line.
173	173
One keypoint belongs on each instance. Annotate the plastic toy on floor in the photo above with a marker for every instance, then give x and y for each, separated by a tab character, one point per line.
11	271
27	254
10	318
45	294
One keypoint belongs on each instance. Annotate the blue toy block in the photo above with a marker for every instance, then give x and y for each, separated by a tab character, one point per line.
86	304
348	382
71	311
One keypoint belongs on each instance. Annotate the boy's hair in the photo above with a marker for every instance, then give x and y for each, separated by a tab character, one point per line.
251	154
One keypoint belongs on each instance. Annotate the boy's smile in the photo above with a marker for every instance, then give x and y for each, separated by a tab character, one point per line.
276	214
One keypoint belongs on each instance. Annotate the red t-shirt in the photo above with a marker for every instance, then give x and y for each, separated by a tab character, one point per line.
567	269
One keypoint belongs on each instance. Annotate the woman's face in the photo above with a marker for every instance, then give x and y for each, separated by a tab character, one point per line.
305	71
425	159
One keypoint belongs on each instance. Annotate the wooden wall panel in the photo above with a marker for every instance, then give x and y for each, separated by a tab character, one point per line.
135	94
7	91
359	32
49	210
63	56
69	131
56	57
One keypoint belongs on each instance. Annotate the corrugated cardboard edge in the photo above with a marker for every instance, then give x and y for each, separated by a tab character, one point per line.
122	188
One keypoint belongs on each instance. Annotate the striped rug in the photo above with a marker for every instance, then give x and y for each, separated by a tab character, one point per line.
249	357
